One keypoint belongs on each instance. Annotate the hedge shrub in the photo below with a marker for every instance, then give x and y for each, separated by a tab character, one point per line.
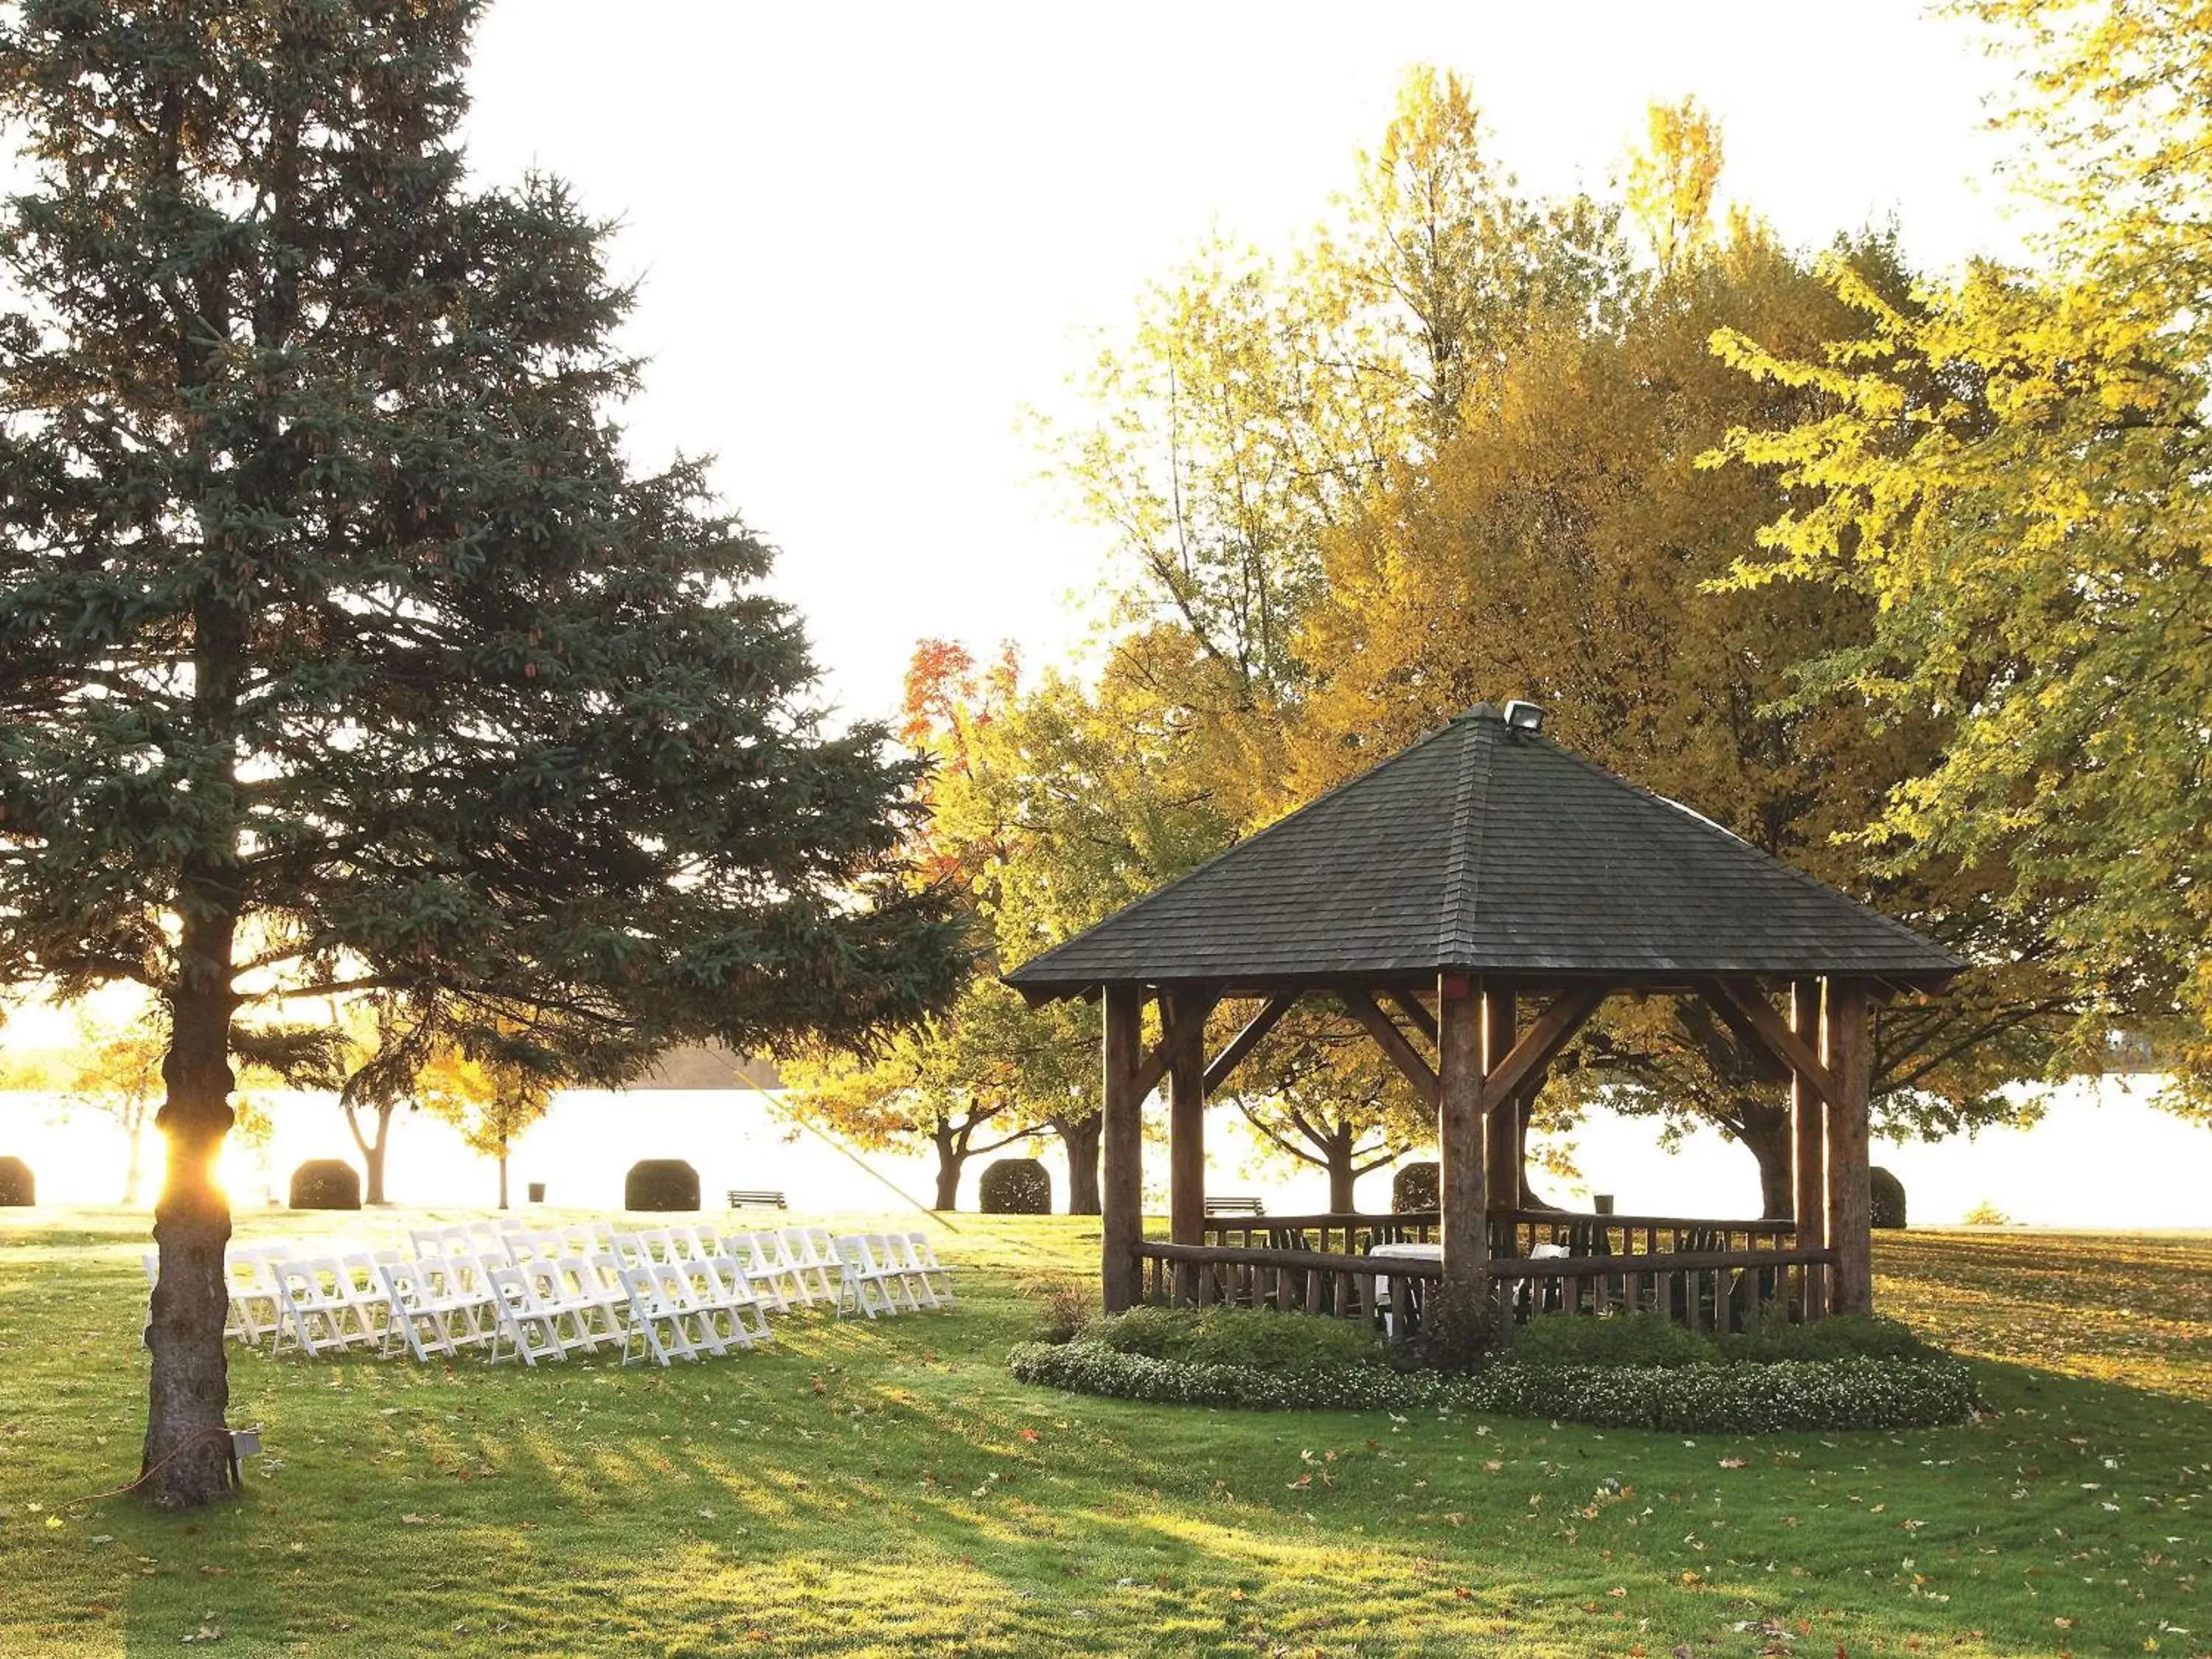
1839	1336
1888	1198
660	1183
325	1183
18	1185
1415	1187
1015	1186
1649	1338
1238	1336
1789	1395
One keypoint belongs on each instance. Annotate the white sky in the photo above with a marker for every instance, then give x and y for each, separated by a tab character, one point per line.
868	235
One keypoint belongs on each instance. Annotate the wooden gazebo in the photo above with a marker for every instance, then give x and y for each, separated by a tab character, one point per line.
1470	901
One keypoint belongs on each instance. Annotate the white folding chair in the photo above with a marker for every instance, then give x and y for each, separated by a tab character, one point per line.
252	1312
669	1245
449	1240
775	1273
431	1315
661	1325
736	1299
361	1283
861	1279
595	1293
527	1326
933	1275
900	1279
629	1249
814	1260
316	1311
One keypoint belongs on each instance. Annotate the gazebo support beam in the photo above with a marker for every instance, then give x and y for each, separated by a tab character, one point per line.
1122	1149
1186	1131
1846	1051
1182	1025
1501	1115
1810	1131
1459	1319
1246	1040
1540	1045
1752	1015
1393	1042
1416	1016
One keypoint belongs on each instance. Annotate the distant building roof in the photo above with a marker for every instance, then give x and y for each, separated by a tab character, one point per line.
1487	849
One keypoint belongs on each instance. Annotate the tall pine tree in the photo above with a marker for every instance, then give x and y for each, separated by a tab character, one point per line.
341	648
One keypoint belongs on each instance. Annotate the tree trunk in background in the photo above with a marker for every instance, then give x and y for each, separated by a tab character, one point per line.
1766	1131
187	1454
1080	1137
372	1151
1342	1175
948	1179
502	1174
134	1127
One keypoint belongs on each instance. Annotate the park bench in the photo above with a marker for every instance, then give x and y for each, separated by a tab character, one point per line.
1235	1206
742	1200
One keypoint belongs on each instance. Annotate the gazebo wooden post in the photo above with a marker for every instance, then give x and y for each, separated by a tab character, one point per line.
1122	1148
1808	1120
1186	1138
1457	1313
1502	1128
1844	1051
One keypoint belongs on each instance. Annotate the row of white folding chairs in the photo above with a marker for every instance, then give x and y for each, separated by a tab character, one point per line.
890	1274
546	1307
341	1296
256	1305
787	1264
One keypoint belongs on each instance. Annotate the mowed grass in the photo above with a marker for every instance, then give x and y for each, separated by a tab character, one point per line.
886	1489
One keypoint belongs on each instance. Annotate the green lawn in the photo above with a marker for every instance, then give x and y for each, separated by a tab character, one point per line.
887	1489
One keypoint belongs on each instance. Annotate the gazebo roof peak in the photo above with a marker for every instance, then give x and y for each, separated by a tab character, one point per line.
1486	847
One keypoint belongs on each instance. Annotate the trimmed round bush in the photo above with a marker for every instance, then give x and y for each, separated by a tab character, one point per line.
660	1183
17	1186
1015	1186
325	1183
1415	1188
1888	1196
1790	1395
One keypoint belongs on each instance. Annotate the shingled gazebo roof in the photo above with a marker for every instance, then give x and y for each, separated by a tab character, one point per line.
1486	849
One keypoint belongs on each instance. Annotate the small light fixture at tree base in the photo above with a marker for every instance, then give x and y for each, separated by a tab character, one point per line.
1522	716
245	1443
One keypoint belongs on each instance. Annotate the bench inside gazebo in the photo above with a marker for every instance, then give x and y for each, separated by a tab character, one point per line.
1470	902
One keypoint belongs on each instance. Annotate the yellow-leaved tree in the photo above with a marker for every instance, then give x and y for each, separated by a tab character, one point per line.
2011	474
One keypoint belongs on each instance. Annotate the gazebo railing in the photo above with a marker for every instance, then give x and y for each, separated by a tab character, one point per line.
1709	1275
1579	1233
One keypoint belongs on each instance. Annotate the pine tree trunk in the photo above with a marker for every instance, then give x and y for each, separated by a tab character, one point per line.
1080	1137
187	1454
